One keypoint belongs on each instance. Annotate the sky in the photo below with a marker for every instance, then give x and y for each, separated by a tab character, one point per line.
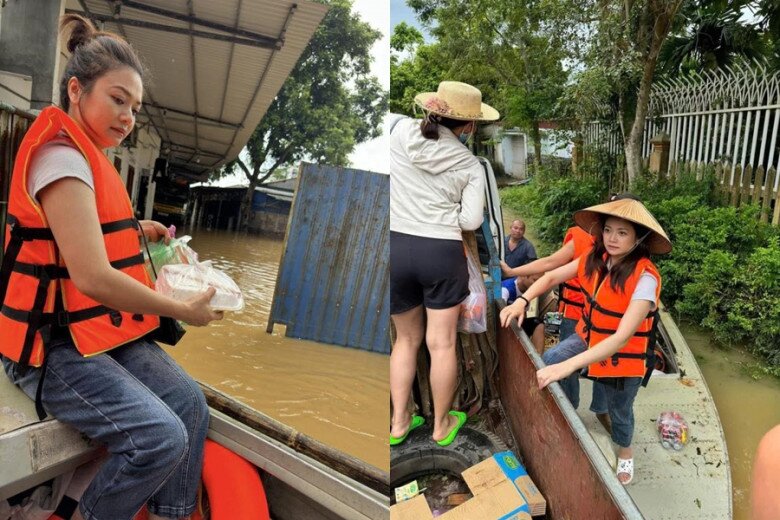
400	12
368	155
372	154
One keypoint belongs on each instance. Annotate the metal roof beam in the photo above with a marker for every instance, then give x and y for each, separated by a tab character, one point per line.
269	40
179	30
193	114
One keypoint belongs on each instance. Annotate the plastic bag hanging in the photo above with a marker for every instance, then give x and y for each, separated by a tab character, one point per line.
473	310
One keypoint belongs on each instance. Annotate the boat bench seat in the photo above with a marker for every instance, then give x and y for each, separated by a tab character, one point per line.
34	451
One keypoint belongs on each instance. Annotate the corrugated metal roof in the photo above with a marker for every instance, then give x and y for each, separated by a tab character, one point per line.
333	282
207	96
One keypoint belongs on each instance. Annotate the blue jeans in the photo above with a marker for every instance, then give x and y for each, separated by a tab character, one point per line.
149	413
598	403
606	399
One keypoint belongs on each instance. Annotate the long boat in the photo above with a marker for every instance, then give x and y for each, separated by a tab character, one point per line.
303	478
567	452
572	459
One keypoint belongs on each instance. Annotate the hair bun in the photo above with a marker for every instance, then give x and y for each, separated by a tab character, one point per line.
81	30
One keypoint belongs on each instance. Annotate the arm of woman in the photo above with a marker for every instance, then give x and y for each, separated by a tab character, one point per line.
635	314
472	200
69	205
538	288
561	257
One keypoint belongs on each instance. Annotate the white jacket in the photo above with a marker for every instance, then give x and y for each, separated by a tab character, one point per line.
437	187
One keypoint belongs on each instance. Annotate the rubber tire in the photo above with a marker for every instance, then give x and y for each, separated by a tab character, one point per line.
420	455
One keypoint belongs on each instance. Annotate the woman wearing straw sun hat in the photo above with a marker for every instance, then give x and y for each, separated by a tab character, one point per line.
614	340
437	190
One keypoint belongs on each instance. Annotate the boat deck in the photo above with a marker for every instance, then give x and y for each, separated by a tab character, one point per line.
693	483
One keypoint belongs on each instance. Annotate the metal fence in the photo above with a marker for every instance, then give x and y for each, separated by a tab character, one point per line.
728	119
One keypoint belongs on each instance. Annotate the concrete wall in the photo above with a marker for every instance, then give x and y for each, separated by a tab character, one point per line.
29	46
15	89
264	222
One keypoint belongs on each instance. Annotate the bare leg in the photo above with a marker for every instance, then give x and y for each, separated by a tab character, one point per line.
538	338
766	477
440	337
409	327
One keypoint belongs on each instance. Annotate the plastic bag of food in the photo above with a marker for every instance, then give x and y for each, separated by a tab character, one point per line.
185	281
672	430
174	252
473	309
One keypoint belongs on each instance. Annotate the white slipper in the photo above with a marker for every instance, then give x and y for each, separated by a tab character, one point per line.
625	466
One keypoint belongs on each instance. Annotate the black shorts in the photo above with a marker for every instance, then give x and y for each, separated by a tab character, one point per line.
428	271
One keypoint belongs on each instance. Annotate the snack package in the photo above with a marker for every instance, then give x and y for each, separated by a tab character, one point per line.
174	252
185	281
672	430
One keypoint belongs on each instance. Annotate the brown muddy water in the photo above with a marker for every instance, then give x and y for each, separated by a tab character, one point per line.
334	394
748	408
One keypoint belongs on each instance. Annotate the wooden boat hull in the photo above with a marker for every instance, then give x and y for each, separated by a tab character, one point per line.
571	458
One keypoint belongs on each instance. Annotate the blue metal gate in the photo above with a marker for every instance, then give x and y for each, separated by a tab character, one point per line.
333	282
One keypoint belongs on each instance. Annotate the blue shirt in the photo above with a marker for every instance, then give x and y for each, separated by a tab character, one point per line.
520	255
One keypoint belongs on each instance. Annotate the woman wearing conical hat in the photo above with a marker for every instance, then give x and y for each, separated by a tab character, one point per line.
615	336
437	189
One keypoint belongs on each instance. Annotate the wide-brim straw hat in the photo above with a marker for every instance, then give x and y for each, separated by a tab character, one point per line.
456	100
627	209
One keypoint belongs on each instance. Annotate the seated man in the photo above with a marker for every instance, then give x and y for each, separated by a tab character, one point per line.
518	250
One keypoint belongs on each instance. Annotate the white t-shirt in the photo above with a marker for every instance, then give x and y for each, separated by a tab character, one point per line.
55	160
645	289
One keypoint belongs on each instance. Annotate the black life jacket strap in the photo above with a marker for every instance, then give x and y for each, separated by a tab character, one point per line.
61	318
570	302
66	508
57	272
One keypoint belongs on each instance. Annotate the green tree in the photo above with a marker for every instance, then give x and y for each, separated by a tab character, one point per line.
769	14
624	44
414	68
711	34
329	103
512	51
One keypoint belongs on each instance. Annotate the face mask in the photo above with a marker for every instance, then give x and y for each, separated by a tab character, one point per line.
464	138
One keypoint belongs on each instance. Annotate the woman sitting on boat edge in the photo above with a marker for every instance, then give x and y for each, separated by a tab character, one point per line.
614	340
78	305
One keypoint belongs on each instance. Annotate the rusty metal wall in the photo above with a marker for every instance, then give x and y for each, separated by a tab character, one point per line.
333	282
561	457
13	125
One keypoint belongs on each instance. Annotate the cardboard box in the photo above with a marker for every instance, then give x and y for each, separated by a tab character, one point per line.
502	490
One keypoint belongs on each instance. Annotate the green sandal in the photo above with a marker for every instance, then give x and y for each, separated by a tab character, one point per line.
462	417
417	421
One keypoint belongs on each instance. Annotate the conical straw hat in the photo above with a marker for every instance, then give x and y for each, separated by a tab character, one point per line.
457	100
631	210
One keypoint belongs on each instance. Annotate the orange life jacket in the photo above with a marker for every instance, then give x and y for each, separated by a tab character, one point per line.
35	288
604	308
570	298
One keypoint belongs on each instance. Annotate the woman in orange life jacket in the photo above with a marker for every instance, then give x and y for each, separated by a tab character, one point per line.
576	242
615	335
73	243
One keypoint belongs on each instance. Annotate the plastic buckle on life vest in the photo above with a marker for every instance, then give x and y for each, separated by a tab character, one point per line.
116	318
615	361
63	319
138	317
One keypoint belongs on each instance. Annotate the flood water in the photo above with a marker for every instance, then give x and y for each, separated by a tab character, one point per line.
748	408
337	395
